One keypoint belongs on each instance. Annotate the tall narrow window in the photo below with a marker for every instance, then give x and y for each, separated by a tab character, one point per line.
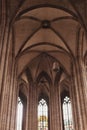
42	115
67	114
19	114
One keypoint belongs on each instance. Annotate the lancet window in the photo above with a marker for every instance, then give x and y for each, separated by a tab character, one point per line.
67	114
19	114
42	115
21	111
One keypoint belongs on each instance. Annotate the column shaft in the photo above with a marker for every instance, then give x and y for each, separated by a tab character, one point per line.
54	109
6	73
32	108
79	98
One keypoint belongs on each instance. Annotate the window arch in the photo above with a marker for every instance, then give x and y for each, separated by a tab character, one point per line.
42	115
19	114
67	114
67	111
21	111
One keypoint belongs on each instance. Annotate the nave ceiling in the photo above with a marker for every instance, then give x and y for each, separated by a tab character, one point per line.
45	32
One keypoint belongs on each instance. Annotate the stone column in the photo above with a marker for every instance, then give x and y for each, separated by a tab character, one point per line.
6	73
13	102
73	103
78	98
33	104
54	107
4	45
6	70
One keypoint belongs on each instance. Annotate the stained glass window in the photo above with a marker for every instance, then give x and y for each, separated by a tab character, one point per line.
67	114
19	114
42	115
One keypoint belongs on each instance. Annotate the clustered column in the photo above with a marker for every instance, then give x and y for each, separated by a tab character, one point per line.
79	100
7	71
54	107
32	116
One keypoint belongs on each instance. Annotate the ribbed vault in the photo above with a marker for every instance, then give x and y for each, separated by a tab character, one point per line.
44	33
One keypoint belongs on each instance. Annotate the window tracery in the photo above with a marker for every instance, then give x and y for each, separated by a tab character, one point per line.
42	115
67	114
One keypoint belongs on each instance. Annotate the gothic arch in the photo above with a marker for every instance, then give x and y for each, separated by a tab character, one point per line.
46	76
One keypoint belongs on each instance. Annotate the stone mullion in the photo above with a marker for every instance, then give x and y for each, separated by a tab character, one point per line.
82	118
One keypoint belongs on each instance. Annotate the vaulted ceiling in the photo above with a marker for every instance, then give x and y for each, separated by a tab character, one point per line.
46	32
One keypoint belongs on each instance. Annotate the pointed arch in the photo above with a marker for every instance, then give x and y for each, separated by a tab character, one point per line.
21	111
45	75
66	106
43	111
